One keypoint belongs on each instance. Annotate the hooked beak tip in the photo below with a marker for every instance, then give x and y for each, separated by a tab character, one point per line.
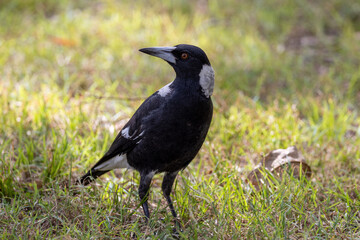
144	50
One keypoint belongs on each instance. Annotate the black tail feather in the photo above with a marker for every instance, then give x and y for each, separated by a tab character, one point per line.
90	176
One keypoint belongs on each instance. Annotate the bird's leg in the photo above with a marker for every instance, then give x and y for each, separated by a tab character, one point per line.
166	186
145	180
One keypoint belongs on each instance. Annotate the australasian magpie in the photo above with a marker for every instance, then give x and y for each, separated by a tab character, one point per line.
169	128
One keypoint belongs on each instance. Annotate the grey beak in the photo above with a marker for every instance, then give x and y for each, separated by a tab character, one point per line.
161	52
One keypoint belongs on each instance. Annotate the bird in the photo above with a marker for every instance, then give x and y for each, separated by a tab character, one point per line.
168	129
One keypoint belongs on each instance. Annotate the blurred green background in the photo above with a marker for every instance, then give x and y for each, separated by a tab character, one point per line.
264	49
287	73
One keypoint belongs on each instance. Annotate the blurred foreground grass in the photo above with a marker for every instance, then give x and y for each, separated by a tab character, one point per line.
287	73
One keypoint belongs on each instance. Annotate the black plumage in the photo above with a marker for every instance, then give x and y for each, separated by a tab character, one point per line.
169	128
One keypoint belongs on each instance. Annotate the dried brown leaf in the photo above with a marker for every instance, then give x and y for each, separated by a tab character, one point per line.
277	162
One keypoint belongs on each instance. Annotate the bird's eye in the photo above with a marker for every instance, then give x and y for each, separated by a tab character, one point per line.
184	56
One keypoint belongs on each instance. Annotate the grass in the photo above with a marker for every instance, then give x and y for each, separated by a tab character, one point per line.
287	73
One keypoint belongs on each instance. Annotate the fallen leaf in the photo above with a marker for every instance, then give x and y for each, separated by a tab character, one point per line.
63	41
277	162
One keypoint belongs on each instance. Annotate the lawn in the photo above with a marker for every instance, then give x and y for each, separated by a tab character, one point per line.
286	73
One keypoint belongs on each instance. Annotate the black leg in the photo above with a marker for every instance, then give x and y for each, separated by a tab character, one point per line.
145	180
167	184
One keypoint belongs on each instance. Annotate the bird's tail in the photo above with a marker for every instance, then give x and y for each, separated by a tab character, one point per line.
90	176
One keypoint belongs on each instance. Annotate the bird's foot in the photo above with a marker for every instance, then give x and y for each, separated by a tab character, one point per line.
177	229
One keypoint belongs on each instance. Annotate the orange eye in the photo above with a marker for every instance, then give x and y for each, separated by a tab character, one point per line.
184	56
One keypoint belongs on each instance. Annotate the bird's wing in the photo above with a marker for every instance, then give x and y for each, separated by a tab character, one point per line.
133	131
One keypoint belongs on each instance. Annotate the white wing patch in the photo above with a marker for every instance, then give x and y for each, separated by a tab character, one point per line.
207	77
165	90
140	135
125	133
119	161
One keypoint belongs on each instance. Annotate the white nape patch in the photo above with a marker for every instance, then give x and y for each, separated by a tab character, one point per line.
207	77
119	161
165	90
125	133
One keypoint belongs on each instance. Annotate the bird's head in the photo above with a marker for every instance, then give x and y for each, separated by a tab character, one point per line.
188	61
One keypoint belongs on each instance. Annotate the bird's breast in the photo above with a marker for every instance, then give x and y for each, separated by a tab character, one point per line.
173	135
